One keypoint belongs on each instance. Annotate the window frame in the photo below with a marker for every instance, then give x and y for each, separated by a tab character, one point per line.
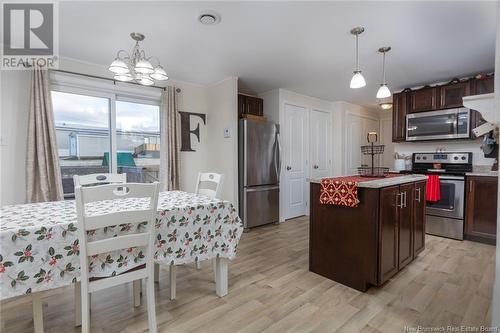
67	83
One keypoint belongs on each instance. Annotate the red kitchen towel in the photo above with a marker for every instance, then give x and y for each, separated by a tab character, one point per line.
343	191
433	192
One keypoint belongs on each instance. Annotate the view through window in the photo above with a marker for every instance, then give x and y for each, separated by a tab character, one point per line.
84	137
138	141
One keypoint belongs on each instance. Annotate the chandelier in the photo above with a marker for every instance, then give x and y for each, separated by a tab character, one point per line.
136	66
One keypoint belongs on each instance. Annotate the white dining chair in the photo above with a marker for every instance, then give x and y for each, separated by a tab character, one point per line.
214	179
86	222
95	179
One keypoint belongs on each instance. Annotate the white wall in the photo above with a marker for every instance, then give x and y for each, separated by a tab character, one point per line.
387	159
14	96
222	105
211	100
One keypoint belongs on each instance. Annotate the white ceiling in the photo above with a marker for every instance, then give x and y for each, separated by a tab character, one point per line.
303	47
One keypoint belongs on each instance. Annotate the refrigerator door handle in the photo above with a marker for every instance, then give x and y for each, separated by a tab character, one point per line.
278	164
262	188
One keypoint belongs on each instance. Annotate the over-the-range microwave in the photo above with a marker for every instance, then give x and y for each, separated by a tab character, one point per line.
438	125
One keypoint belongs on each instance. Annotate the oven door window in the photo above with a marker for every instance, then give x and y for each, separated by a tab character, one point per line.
445	124
447	201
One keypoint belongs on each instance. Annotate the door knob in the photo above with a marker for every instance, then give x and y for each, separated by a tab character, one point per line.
288	167
315	166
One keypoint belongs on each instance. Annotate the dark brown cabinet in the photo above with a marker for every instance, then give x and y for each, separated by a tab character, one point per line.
401	227
483	86
405	229
388	231
425	99
451	94
419	218
369	244
399	111
241	105
481	209
250	105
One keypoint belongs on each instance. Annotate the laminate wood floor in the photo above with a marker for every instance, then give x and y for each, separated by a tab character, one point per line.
271	290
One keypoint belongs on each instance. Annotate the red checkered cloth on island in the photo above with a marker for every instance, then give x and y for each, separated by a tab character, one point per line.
343	191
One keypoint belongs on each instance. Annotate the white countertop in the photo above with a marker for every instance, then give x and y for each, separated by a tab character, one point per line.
383	182
483	173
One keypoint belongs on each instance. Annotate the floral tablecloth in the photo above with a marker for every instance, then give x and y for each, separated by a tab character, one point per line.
39	247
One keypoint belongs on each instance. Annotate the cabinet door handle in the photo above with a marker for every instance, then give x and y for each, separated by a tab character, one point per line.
419	192
399	200
471	184
405	199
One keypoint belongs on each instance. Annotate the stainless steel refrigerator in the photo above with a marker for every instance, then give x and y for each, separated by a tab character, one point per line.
259	166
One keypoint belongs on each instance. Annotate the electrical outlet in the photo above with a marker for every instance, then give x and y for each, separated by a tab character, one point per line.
227	132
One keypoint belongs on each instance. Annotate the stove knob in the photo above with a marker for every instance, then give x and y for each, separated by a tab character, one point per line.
463	158
424	158
456	158
418	157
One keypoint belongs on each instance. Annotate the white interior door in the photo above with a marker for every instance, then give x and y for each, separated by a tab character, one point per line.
295	161
354	129
320	165
357	128
387	159
369	125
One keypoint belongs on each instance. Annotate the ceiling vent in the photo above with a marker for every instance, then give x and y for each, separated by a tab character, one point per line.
209	18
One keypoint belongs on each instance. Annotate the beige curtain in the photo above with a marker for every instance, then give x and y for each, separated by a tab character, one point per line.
170	138
43	175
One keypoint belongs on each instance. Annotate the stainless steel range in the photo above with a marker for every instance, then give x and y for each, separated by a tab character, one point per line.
446	216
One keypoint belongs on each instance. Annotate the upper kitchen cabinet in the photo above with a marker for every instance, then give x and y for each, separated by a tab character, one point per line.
425	99
451	94
437	98
250	105
400	103
483	86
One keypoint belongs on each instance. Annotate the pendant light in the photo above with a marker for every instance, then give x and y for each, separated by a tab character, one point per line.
383	91
357	81
386	105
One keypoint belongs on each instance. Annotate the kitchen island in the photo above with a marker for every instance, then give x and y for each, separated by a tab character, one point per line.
366	245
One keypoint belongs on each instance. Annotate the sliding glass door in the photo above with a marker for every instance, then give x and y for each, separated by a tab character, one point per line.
83	137
99	133
138	140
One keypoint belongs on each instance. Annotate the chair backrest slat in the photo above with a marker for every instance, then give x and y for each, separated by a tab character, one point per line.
117	243
209	177
115	191
99	178
121	217
117	280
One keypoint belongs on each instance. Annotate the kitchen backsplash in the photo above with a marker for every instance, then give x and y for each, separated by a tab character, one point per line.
408	148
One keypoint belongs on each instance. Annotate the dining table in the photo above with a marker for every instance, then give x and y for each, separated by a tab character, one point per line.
39	247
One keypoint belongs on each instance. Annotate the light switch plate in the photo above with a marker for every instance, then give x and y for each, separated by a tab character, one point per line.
227	132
